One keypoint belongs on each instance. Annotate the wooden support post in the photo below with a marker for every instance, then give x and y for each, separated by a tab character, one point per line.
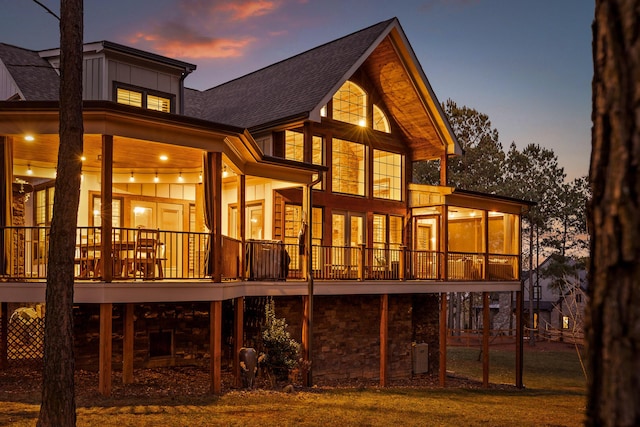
384	338
4	341
217	222
402	266
106	214
443	339
443	167
519	341
128	344
486	327
215	345
104	374
240	227
238	337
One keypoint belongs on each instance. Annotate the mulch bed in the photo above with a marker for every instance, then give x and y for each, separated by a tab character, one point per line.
24	384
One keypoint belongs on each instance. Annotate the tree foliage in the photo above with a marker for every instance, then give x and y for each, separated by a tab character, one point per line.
480	166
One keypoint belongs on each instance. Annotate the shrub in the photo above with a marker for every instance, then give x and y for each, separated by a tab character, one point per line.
281	351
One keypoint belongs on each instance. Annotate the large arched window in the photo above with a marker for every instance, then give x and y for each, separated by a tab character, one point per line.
350	104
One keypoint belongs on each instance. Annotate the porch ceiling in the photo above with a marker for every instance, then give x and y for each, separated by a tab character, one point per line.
128	154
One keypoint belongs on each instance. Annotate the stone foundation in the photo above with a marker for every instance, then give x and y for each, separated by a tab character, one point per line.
346	333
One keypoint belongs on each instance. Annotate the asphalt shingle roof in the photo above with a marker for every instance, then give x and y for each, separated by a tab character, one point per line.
288	88
34	76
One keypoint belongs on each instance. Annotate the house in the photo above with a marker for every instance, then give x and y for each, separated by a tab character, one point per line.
559	298
292	182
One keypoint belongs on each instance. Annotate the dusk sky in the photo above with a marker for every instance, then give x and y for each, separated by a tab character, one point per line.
526	64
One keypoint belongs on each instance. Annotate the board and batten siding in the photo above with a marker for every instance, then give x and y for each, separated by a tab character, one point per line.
142	77
92	85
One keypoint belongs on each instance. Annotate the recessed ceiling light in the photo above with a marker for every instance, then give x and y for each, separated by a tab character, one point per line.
29	138
164	157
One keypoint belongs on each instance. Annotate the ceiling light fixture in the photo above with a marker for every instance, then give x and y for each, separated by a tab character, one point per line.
155	178
131	178
29	171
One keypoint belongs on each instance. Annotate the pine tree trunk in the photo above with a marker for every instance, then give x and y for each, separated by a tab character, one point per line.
613	335
58	393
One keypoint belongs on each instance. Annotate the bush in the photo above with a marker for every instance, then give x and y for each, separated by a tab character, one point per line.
281	351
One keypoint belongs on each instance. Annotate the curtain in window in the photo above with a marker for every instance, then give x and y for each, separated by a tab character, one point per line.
6	171
208	210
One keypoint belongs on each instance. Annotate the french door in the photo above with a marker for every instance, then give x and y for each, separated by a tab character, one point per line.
347	235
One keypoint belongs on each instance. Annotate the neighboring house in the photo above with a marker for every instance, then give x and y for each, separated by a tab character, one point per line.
294	180
558	302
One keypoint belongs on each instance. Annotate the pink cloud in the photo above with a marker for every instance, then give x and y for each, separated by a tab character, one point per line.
242	10
174	39
208	28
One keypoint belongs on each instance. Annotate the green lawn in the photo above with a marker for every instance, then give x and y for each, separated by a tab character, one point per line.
554	394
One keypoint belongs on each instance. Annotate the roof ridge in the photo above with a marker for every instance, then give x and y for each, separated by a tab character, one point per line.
384	24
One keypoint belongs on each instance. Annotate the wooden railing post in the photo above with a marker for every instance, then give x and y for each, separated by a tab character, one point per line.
362	262
402	263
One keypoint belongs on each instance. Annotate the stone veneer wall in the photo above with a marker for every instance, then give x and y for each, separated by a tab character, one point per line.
189	323
346	336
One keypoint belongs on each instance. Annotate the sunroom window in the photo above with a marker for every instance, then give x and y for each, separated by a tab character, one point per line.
347	167
350	104
387	175
504	237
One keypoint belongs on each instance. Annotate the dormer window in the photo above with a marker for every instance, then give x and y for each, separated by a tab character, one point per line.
143	98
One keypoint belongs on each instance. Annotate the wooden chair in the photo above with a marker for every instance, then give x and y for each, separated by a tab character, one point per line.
88	260
145	253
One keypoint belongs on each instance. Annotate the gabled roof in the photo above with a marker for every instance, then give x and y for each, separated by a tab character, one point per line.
291	87
298	87
34	77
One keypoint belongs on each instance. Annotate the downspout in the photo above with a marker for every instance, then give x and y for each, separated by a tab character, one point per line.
183	76
308	242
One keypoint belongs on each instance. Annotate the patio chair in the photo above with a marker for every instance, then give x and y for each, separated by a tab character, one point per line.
145	253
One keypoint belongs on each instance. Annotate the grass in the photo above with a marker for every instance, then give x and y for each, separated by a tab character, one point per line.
554	394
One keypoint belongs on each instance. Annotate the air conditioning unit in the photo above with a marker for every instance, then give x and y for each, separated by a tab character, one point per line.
420	358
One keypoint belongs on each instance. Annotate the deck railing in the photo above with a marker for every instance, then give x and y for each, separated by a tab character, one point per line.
185	255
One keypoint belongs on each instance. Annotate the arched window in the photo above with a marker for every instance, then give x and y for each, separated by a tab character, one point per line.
380	121
350	104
